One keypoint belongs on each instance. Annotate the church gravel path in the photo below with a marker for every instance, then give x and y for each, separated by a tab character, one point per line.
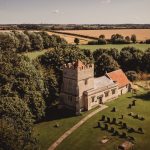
67	133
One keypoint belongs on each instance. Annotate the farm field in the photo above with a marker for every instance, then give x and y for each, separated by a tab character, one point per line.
142	47
142	34
88	136
70	39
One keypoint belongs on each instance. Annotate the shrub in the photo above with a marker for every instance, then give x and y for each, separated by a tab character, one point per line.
76	41
102	41
93	43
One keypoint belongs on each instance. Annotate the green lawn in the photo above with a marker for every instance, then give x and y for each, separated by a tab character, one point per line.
143	47
35	54
46	133
87	137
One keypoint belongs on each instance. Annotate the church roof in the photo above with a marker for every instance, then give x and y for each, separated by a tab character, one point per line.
102	82
119	76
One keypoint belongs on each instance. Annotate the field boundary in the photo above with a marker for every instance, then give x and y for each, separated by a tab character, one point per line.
73	34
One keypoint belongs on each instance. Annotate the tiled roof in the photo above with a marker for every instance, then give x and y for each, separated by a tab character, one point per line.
119	77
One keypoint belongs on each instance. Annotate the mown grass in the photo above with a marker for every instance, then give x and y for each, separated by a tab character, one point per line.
88	137
46	132
33	55
142	47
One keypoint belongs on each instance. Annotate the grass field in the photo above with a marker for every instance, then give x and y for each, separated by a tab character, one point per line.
142	34
88	136
142	47
46	133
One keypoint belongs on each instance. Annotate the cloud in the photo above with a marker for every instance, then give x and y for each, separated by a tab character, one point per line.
105	1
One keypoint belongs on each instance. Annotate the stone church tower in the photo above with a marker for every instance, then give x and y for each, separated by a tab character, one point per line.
77	78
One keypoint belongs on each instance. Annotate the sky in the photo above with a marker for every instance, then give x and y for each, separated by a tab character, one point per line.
74	11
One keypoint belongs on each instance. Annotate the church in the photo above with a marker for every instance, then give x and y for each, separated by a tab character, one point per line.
82	91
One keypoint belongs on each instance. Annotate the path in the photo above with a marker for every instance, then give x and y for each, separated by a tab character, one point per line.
67	133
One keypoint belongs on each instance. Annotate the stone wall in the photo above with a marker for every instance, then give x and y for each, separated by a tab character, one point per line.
124	90
94	98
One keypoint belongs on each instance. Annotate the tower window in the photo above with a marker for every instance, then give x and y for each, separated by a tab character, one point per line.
86	81
93	98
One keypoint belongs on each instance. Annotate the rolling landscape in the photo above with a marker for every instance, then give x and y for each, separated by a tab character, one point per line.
74	76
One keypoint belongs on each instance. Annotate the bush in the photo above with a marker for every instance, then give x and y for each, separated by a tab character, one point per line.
102	41
93	43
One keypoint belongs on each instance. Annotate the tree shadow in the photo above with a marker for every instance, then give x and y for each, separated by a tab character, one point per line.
53	113
144	96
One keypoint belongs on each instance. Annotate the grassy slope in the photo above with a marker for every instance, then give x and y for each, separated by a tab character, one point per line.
46	133
143	47
88	138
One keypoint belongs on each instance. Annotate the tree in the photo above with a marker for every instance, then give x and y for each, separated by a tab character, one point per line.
8	41
146	61
131	59
102	41
24	41
88	54
77	41
111	52
105	63
102	36
46	39
59	56
132	75
19	78
127	38
36	40
133	38
16	124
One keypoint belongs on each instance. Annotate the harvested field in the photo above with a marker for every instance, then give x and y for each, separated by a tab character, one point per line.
70	39
142	34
